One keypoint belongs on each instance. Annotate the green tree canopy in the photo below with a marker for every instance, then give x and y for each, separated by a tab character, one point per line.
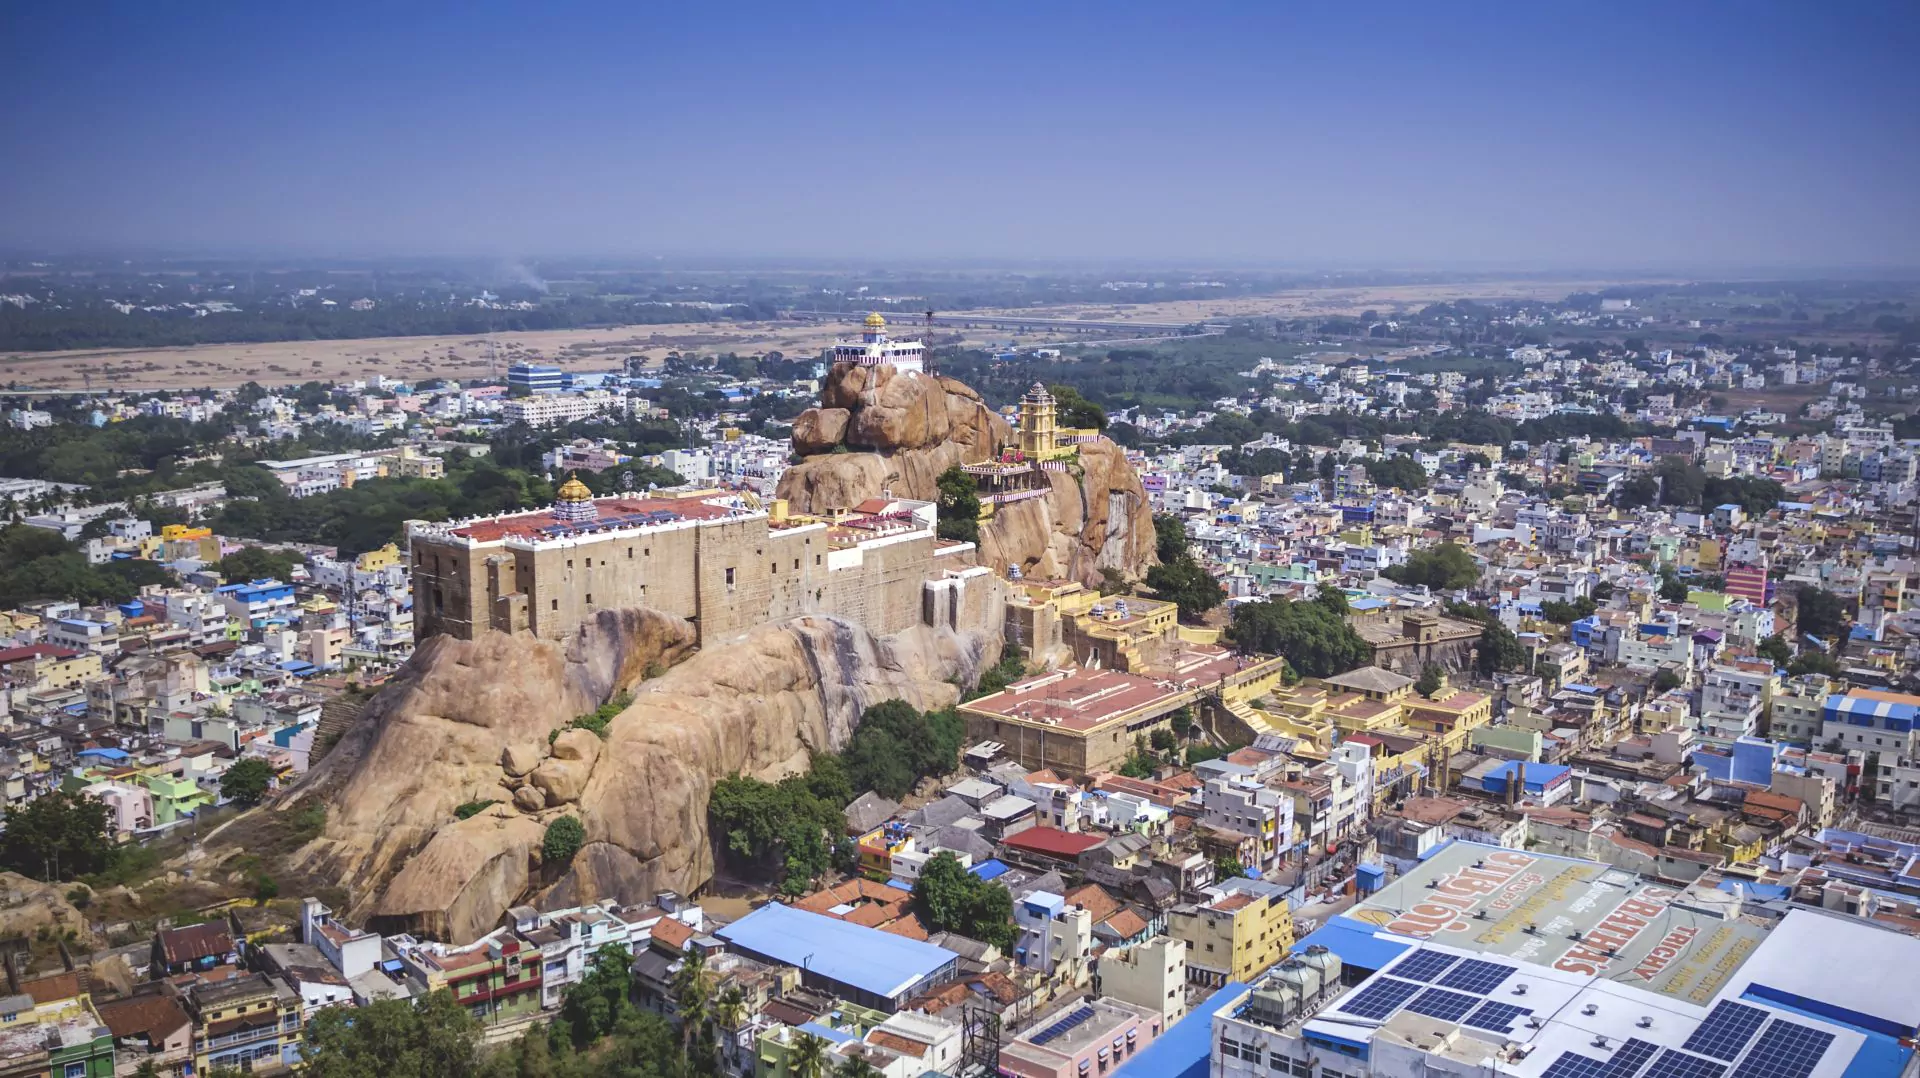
949	898
1316	641
1170	536
1822	614
1498	649
1070	409
259	563
1183	582
58	836
1429	680
393	1038
1441	567
959	506
563	839
247	781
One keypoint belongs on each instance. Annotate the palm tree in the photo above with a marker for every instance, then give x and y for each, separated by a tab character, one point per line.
690	997
855	1067
808	1059
730	1011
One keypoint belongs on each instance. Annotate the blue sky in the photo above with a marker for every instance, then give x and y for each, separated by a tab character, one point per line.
1547	135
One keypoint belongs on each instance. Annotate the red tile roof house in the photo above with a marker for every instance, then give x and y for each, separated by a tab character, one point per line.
193	949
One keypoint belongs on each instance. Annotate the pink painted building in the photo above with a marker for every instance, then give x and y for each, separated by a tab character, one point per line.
1081	1040
131	805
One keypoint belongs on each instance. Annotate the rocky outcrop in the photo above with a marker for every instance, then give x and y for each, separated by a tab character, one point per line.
31	910
1095	517
468	714
879	430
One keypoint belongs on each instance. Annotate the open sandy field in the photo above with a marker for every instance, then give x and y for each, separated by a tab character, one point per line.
1296	303
598	349
400	357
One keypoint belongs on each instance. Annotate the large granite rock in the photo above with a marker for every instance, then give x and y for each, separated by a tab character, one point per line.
879	430
438	738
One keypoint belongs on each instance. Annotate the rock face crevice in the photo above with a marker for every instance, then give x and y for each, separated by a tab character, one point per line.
471	721
879	430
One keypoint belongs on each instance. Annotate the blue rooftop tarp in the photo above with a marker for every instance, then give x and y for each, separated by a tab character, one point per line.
104	754
991	869
1185	1048
866	958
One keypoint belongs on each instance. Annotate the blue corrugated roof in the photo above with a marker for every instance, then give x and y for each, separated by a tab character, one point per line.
866	958
991	869
1183	1050
1355	942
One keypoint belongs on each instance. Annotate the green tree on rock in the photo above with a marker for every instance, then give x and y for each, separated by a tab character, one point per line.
563	839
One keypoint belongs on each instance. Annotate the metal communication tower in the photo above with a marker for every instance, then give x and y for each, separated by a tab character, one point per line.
980	1043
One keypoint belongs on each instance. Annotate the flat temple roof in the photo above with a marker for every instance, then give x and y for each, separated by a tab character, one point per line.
611	510
873	961
1076	699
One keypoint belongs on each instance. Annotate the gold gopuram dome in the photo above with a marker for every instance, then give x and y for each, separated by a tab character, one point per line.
574	501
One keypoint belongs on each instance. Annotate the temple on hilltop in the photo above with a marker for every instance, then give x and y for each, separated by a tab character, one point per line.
1040	445
875	348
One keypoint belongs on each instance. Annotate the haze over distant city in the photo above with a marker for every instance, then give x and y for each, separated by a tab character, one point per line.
1637	136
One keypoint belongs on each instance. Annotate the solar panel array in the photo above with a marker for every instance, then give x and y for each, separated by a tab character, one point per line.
1424	965
1063	1026
1499	1017
1785	1050
1672	1064
1379	999
1444	1005
1574	1065
1632	1056
1728	1028
1476	976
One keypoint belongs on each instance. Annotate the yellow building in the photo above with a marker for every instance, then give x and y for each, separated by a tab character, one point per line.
1242	928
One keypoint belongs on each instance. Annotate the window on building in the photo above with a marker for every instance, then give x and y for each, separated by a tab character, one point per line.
569	563
816	559
589	563
796	565
556	604
589	598
729	579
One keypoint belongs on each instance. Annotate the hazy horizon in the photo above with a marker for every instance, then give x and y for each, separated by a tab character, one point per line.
1744	139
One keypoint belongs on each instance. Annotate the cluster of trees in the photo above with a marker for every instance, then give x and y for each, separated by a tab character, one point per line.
792	829
598	1032
1070	409
959	506
1441	567
1821	613
58	836
1312	634
1678	482
38	564
1399	471
1566	612
948	898
896	745
1498	649
1179	578
373	512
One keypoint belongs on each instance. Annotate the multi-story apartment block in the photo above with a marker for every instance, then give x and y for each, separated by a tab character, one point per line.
1240	928
250	1022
